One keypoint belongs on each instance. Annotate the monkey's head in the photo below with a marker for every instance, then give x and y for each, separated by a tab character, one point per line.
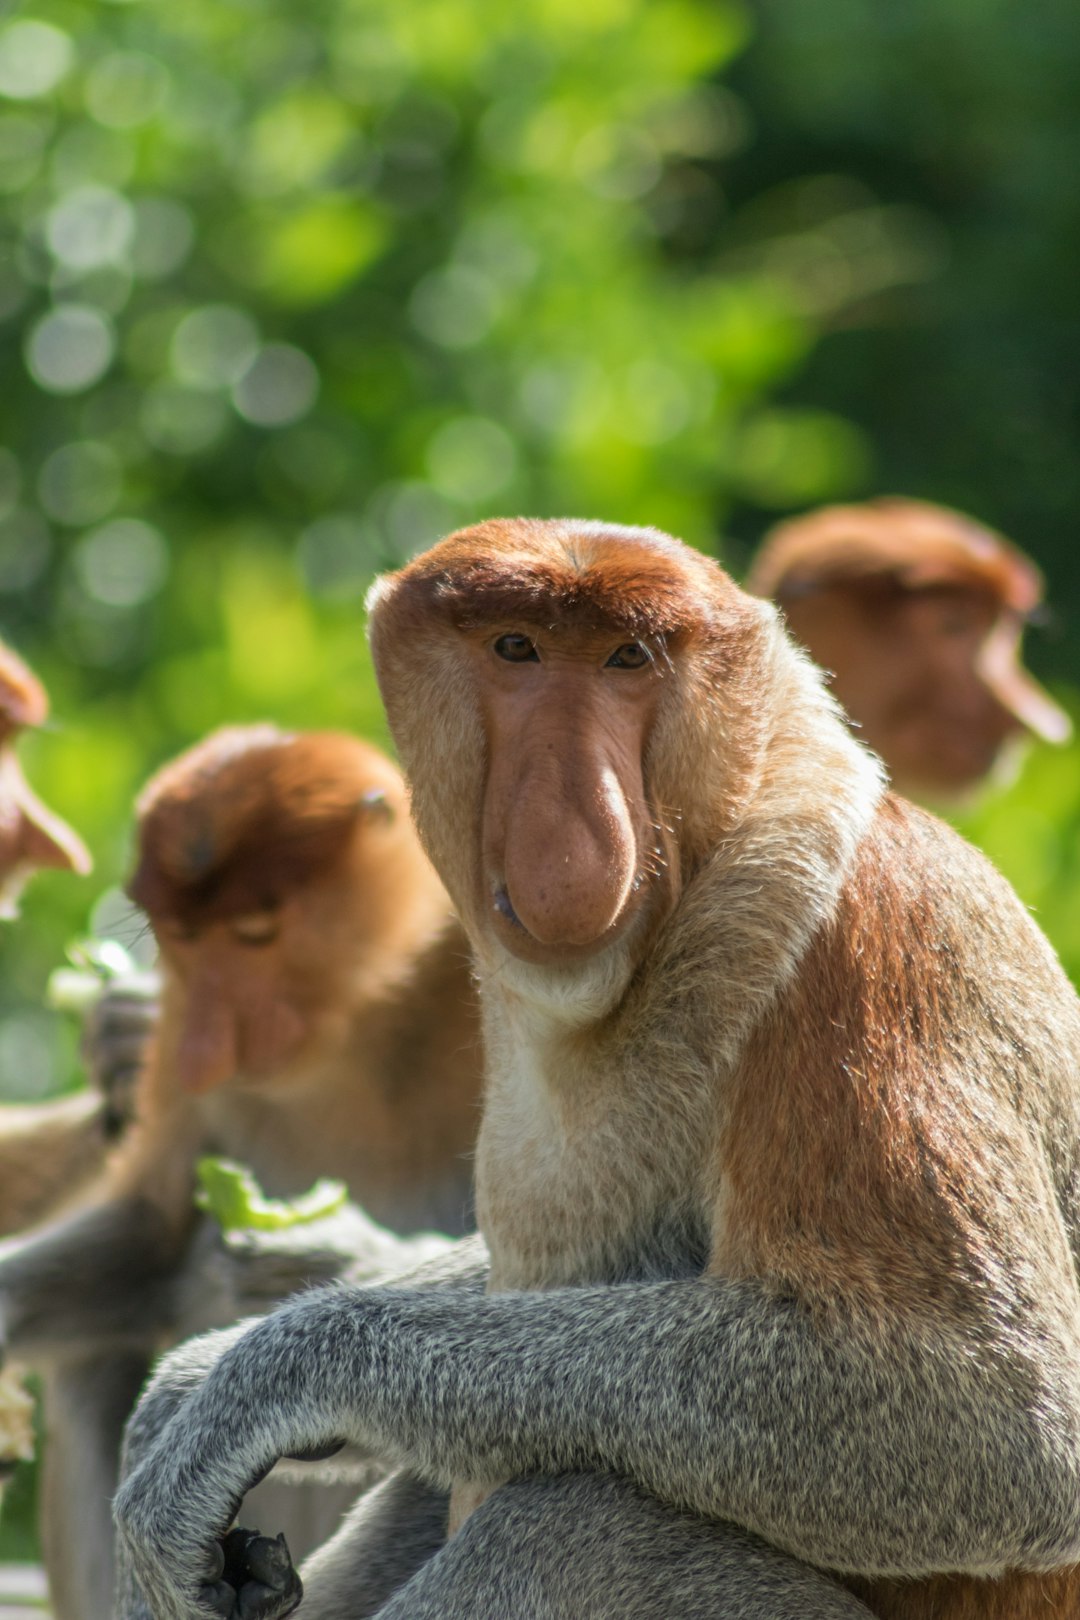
31	835
918	613
278	871
552	688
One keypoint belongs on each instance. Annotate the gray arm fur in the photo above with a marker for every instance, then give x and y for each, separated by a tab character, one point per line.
177	1391
714	1396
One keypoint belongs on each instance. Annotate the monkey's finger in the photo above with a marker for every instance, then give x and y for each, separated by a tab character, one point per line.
269	1562
215	1564
218	1597
257	1602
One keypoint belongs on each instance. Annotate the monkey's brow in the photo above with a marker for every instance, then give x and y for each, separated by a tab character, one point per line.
545	608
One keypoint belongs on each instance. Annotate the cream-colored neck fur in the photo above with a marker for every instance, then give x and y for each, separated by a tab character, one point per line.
574	1055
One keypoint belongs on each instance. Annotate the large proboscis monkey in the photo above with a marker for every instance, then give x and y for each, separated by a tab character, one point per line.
48	1149
917	611
318	1019
779	1167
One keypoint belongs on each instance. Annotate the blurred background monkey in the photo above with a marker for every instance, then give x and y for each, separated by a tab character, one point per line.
917	612
779	1168
318	1019
46	1150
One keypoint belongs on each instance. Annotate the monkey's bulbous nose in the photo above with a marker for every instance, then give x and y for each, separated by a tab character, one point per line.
569	867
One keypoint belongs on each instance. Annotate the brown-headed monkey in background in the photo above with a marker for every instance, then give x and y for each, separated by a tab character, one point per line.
318	1019
47	1150
917	612
778	1173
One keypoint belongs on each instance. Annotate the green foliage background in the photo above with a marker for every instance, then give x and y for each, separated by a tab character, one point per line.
286	291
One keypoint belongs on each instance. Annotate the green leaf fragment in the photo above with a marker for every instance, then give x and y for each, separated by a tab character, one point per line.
230	1193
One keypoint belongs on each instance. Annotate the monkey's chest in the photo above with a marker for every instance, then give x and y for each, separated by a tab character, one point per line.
603	1193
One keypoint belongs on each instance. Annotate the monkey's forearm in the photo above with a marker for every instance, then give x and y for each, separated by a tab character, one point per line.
47	1152
164	1549
98	1279
888	1455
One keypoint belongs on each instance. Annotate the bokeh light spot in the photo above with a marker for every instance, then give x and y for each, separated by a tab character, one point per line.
182	421
214	346
279	386
471	458
408	516
69	349
91	226
34	57
455	307
123	563
335	555
81	482
125	88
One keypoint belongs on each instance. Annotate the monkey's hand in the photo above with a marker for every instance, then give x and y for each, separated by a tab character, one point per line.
254	1578
117	1036
207	1430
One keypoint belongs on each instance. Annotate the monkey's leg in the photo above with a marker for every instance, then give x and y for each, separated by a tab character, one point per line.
389	1535
592	1547
86	1406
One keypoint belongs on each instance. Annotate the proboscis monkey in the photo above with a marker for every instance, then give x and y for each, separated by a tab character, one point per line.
318	1019
778	1173
917	611
46	1150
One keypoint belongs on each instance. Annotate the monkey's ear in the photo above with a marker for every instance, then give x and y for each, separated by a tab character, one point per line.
42	838
22	697
375	803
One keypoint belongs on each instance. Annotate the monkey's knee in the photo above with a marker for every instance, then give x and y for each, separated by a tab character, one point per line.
584	1547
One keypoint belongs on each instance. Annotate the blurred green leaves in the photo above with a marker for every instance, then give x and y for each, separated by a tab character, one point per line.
285	293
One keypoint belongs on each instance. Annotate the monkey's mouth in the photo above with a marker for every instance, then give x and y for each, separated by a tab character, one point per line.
504	906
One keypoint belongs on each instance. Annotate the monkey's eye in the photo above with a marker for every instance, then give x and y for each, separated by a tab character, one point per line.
517	649
256	928
175	929
631	655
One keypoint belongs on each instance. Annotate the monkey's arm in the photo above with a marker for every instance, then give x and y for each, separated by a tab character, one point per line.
47	1152
460	1265
100	1278
873	1451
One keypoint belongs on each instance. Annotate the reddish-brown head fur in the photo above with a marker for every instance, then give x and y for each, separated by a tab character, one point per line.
278	872
918	611
540	655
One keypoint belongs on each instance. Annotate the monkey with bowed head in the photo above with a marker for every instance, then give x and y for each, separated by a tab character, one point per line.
318	1019
917	612
778	1172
